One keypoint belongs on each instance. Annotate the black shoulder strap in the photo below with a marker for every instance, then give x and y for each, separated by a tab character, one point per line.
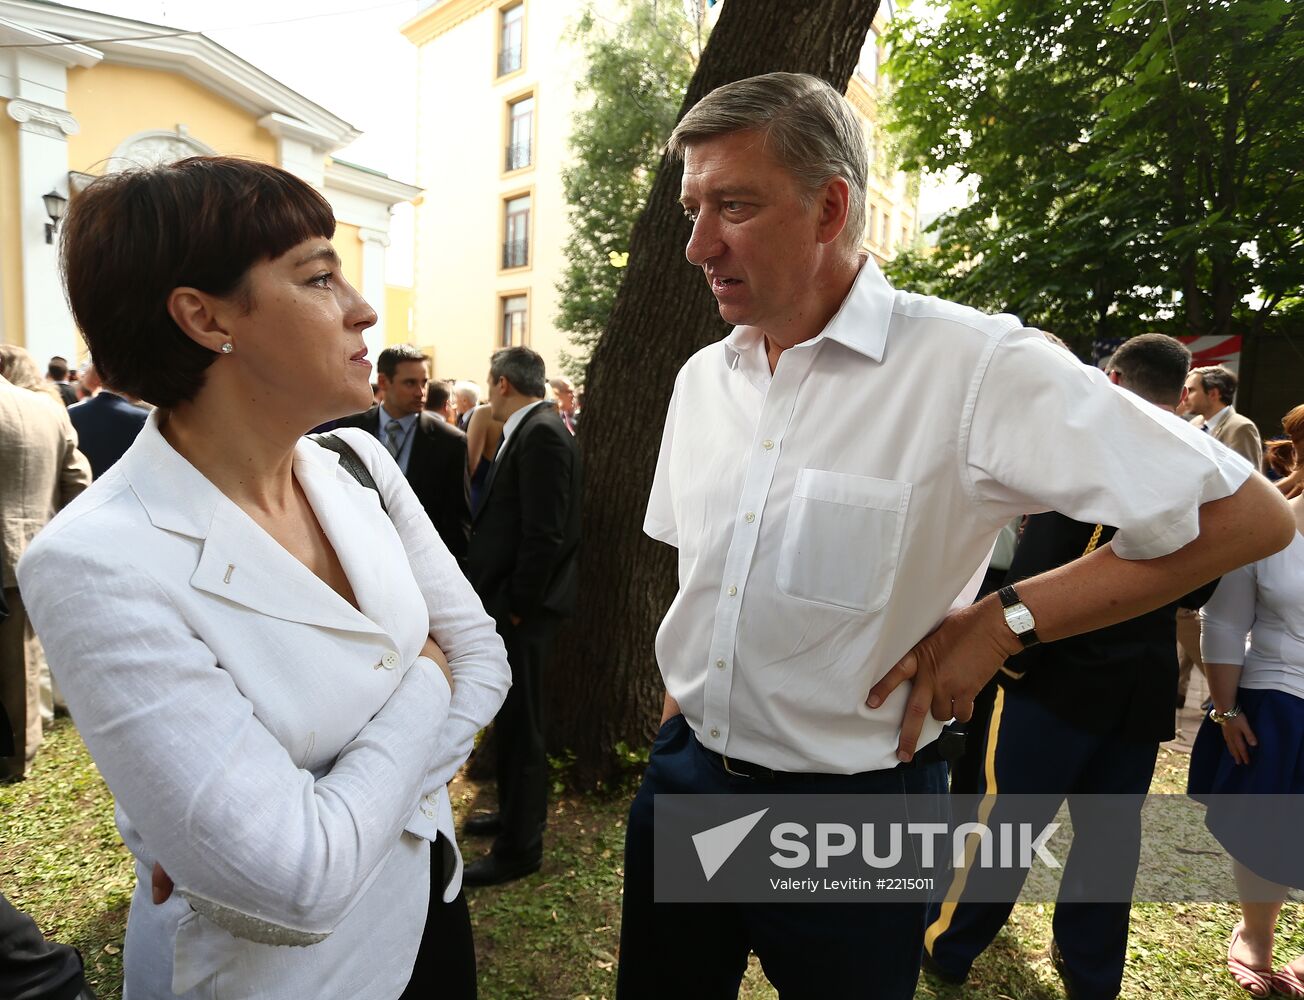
352	464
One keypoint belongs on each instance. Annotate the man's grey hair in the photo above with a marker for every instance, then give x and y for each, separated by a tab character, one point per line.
391	357
806	125
522	367
467	390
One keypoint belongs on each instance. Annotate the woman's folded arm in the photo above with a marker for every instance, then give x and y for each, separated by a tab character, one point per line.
216	799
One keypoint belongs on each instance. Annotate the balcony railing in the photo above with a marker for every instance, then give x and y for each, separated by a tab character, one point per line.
518	155
516	253
509	60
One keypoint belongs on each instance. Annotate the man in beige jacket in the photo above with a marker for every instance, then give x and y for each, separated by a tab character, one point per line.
42	472
1207	400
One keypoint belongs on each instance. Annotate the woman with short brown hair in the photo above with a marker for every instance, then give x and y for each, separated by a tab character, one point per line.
246	625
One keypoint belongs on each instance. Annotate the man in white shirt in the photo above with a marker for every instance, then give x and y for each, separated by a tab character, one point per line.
821	555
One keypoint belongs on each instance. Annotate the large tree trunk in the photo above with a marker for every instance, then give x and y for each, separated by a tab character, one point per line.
603	684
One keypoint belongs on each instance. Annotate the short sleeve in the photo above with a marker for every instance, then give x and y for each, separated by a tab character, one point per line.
659	523
1046	432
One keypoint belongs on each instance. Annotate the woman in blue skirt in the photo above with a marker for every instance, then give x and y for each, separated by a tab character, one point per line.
1248	758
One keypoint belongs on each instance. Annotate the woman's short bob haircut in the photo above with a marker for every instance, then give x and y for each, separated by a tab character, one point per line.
130	238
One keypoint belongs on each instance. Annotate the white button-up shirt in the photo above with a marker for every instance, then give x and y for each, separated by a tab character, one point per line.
828	515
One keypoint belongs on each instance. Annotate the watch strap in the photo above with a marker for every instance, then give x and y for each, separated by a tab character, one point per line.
1009	598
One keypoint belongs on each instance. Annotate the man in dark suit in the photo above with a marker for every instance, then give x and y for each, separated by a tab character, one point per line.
106	425
57	372
431	453
522	563
1082	716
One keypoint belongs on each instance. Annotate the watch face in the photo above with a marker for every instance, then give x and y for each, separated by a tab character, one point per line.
1019	618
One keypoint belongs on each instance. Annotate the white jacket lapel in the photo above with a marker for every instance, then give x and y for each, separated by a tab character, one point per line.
239	561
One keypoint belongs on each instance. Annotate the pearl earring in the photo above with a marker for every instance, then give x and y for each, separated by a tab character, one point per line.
228	348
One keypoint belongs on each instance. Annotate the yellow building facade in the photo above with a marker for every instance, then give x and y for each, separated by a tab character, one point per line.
496	92
891	196
496	95
77	110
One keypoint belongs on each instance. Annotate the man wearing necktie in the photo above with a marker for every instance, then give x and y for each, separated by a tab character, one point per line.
522	561
565	393
1207	400
430	452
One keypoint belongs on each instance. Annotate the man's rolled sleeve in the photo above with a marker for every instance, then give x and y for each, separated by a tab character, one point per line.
1050	433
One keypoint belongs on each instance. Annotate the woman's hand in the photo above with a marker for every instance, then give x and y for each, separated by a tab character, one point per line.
1240	737
431	649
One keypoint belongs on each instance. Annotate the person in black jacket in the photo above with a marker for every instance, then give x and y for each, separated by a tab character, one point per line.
431	453
106	425
1081	716
522	561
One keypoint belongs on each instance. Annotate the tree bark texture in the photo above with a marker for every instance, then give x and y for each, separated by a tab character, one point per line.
603	684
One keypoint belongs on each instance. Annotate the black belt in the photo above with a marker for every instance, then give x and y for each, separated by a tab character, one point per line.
940	749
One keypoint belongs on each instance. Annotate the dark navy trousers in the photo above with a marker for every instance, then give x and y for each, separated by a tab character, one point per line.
1030	751
815	950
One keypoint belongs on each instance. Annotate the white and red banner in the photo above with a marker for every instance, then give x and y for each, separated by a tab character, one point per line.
1225	351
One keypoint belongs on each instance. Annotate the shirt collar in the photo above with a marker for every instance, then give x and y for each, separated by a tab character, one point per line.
1218	417
860	323
514	421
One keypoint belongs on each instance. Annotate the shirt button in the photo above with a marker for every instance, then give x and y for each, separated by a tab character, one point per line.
749	517
733	591
767	444
720	664
715	734
390	660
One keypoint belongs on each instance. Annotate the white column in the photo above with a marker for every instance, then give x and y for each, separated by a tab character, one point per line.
43	132
301	148
374	243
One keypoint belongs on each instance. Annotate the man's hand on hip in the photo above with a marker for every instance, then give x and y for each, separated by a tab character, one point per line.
948	668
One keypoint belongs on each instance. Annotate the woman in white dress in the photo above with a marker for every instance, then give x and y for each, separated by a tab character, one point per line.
1248	759
248	634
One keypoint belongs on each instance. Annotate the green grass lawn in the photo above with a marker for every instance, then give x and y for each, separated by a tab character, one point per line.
552	936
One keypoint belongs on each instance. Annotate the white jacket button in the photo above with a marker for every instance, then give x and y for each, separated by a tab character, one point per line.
390	660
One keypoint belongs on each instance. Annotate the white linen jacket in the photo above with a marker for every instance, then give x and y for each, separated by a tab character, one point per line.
282	754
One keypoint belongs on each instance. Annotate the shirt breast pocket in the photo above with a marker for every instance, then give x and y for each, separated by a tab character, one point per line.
843	539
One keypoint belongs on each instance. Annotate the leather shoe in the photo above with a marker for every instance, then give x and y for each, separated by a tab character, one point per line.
1057	960
491	870
483	825
929	965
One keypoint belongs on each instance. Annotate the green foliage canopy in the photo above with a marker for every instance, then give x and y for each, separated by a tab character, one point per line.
1137	163
638	69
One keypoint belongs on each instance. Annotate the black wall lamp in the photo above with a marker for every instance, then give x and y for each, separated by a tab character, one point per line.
55	207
